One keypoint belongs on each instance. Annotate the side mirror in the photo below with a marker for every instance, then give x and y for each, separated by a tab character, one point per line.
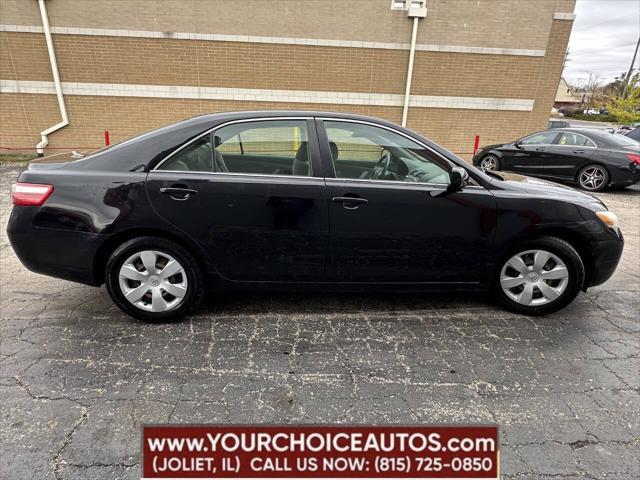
517	144
458	179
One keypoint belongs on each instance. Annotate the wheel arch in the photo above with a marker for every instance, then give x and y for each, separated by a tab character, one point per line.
114	241
577	241
483	155
588	163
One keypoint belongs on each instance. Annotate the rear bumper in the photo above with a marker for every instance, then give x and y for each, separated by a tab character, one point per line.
625	176
65	254
606	256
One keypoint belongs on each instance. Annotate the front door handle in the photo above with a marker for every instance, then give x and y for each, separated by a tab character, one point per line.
178	193
540	149
350	203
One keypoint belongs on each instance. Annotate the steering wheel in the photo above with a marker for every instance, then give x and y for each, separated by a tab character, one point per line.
382	166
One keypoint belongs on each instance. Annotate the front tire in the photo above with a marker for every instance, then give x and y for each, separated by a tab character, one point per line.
593	178
154	279
540	276
490	162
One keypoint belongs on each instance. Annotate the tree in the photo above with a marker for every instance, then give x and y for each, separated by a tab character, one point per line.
627	110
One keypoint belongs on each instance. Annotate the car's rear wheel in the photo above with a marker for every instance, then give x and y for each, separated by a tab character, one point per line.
593	178
154	279
490	162
540	276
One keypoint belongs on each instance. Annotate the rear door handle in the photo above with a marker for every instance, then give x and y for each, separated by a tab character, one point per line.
350	203
578	151
178	193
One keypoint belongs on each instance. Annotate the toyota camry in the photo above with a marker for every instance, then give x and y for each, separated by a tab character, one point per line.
266	200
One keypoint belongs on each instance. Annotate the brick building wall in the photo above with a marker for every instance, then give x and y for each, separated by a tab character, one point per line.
489	67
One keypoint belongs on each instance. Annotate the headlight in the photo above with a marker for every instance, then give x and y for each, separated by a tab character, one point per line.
610	219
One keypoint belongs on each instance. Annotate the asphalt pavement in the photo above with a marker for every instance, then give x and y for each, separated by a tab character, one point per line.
78	377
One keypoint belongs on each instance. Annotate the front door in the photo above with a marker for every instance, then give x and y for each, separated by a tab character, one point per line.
252	195
391	219
530	154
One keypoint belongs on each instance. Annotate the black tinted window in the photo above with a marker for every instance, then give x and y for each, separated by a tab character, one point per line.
196	157
542	138
374	153
270	147
575	139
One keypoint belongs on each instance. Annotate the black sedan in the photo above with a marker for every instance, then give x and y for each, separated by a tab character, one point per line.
593	159
303	200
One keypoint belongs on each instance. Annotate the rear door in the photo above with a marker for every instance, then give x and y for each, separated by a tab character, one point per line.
258	209
530	154
570	153
396	223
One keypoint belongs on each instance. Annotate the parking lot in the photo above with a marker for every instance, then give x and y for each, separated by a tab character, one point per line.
78	377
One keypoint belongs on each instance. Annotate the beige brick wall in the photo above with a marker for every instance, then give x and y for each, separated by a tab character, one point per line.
100	59
117	59
487	23
26	115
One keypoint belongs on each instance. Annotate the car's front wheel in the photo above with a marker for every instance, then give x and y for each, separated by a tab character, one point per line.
540	276
490	162
154	279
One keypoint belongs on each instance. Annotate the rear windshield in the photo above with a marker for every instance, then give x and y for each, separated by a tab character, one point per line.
622	140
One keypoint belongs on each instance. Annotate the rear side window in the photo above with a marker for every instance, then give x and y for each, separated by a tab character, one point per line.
575	139
195	157
542	138
269	147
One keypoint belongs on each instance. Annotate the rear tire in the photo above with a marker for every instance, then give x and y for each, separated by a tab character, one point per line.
154	279
593	178
539	276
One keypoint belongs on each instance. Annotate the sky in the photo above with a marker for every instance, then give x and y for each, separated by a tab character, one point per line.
604	36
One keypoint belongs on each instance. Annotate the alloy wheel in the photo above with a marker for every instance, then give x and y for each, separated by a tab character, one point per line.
592	178
489	163
153	281
534	277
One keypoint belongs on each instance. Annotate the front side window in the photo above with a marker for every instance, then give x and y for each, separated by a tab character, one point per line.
367	152
542	138
269	147
195	157
575	140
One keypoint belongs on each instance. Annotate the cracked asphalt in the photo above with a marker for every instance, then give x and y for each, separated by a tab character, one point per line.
77	377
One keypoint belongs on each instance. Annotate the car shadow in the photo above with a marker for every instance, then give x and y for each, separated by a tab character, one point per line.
252	303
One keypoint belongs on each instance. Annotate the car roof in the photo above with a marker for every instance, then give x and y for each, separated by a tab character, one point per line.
148	148
248	114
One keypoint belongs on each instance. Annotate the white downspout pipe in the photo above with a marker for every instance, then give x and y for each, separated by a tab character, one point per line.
56	81
407	89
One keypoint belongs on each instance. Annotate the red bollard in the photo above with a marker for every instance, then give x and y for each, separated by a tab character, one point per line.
476	144
107	141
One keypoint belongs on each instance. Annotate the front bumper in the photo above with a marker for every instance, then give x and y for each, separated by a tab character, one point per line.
606	253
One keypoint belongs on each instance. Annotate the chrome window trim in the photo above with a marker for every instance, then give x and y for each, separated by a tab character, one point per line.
217	127
398	182
306	118
237	174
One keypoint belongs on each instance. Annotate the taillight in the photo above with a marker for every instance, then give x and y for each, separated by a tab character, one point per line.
30	194
634	158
